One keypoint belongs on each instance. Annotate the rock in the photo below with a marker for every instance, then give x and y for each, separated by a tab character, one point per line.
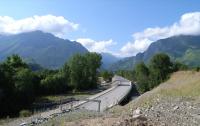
137	112
176	107
146	110
136	116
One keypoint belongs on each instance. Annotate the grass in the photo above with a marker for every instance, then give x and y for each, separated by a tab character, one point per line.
61	97
55	98
181	84
72	116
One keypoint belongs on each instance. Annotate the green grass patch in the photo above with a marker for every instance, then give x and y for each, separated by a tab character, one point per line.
56	98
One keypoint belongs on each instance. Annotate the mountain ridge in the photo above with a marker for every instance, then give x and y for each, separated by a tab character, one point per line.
44	48
182	48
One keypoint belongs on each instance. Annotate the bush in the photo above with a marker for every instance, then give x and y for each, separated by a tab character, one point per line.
25	113
197	69
142	76
107	75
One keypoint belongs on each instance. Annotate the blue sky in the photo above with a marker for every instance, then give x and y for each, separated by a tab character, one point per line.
107	23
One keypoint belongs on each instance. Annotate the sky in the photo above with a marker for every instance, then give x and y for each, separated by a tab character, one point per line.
121	27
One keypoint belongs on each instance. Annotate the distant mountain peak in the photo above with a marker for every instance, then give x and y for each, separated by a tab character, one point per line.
44	48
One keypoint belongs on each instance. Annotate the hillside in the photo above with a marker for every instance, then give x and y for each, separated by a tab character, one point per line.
41	48
180	48
108	59
174	102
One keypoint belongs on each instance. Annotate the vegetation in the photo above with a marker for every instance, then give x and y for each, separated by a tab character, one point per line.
142	76
83	70
39	47
129	74
160	67
19	85
183	48
107	75
24	113
184	85
157	71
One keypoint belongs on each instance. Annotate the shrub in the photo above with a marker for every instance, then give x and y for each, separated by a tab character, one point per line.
25	113
197	69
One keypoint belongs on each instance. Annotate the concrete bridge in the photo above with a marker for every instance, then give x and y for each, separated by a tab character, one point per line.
110	97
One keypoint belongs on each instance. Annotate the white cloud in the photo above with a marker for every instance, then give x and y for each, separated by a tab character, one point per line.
56	25
189	24
96	46
132	48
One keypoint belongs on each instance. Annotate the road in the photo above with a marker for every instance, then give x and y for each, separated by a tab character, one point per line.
121	87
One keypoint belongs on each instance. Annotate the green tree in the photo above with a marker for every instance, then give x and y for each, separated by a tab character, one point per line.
142	77
65	70
160	67
15	61
24	85
93	63
54	84
179	66
83	70
77	71
15	84
197	68
129	74
107	75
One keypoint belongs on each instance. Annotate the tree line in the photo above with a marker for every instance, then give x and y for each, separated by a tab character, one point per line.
147	76
20	85
156	71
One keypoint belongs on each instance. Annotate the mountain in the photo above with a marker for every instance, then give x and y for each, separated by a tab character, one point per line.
183	48
108	59
42	48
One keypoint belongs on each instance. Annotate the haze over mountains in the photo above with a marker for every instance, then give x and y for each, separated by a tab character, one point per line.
183	48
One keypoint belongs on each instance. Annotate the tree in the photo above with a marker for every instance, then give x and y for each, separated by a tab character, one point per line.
129	74
24	86
16	85
179	66
107	75
54	83
160	67
77	71
93	62
142	77
83	70
15	61
65	70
